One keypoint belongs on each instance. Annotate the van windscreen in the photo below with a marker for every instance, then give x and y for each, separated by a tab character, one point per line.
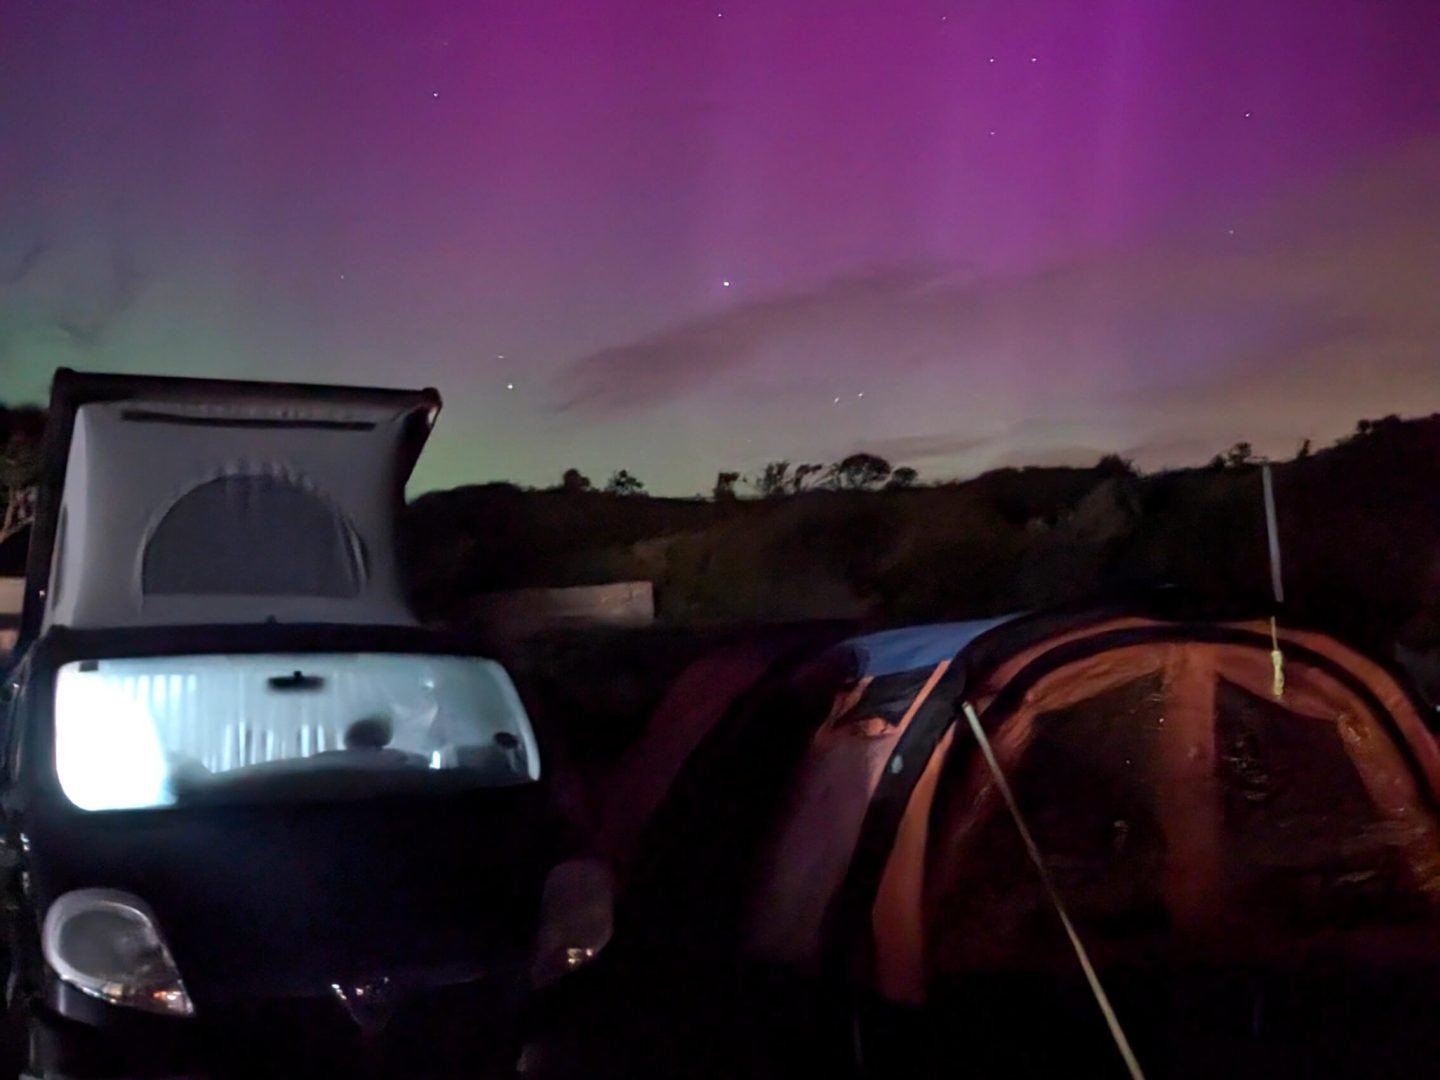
149	732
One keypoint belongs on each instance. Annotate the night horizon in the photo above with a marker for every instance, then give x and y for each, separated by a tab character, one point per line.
931	537
704	237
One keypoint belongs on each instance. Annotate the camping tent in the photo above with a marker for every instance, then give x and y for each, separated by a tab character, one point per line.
1206	812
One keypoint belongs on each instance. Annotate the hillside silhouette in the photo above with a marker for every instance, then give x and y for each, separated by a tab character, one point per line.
1359	524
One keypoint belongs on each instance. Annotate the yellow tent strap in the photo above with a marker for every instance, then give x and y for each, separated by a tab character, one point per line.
1277	661
1112	1021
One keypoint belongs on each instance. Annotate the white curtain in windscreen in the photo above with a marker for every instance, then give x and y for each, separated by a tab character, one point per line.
125	728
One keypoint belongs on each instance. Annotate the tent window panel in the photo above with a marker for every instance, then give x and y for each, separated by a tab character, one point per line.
1305	846
882	705
259	535
1088	786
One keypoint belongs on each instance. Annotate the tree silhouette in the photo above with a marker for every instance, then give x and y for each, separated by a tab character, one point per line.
774	480
801	478
574	481
859	472
622	483
903	477
21	433
725	485
1240	456
1115	465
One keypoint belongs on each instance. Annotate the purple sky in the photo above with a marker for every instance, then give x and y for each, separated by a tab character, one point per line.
1020	231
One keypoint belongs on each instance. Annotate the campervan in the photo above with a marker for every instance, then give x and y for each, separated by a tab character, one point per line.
255	819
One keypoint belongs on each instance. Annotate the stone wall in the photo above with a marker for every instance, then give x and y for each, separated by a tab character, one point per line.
522	612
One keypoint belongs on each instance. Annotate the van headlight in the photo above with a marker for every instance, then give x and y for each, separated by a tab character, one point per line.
576	919
108	945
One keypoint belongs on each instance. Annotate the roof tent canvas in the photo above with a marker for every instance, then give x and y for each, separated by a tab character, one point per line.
175	502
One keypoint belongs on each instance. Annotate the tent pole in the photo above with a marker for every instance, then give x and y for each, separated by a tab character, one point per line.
1277	582
1272	529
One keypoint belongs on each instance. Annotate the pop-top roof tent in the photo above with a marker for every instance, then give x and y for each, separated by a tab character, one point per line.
178	502
1194	811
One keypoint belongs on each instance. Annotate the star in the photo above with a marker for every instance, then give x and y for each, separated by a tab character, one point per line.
342	277
837	401
992	133
860	394
1248	115
725	283
1034	59
992	59
435	93
509	386
1230	231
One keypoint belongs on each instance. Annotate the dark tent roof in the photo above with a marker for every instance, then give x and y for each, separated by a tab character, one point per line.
913	647
834	818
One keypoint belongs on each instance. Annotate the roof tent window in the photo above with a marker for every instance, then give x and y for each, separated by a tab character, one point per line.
259	535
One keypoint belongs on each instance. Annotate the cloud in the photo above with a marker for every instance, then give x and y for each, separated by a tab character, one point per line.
1193	450
697	352
24	264
915	449
1030	442
86	320
1317	309
65	296
1057	457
